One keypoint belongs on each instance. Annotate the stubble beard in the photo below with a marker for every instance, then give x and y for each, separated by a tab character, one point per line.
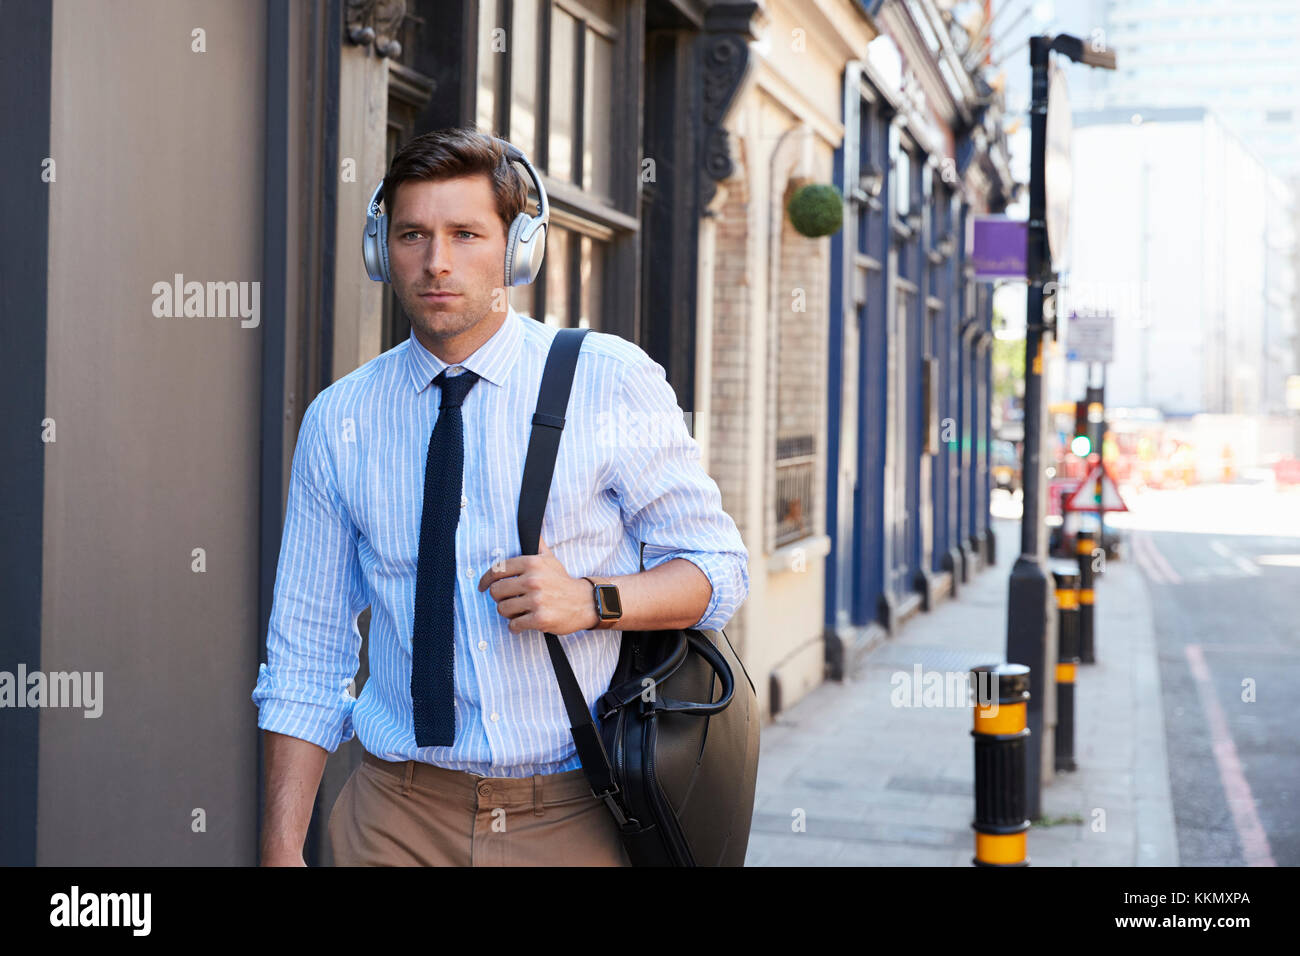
442	323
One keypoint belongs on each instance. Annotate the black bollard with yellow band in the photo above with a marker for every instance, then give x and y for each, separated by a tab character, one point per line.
1001	740
1084	546
1067	661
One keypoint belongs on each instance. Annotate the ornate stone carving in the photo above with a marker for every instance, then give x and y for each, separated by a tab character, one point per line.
724	59
375	22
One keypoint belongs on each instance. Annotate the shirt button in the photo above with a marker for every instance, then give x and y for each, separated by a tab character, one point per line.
496	716
463	501
482	645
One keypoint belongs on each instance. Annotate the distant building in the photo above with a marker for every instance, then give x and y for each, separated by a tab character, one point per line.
1182	230
1241	60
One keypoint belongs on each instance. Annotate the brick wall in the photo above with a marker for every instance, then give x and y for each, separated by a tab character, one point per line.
733	324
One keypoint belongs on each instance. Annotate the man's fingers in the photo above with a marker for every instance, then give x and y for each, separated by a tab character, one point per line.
525	622
509	568
507	587
513	607
501	569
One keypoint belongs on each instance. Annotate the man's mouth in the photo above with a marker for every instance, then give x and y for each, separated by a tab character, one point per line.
439	295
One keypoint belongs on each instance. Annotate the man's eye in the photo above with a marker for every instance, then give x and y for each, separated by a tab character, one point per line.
408	234
464	232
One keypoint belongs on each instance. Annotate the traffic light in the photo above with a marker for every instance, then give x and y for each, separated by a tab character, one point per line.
1096	416
1081	444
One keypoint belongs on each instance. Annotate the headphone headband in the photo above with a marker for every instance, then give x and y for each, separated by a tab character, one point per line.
512	155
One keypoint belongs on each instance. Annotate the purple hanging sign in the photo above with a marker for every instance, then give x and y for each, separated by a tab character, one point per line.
998	248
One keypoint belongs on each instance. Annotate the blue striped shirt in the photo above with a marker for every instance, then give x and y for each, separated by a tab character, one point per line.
627	471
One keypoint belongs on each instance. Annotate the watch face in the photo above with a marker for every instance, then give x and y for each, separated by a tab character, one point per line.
610	605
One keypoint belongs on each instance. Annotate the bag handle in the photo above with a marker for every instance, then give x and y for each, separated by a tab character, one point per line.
629	691
706	650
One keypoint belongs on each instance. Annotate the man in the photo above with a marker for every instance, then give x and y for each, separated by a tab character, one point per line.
468	755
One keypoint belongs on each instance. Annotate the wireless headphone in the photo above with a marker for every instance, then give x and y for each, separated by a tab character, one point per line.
525	243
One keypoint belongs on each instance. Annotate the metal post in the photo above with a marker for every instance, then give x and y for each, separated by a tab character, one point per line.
1067	599
1031	609
1031	617
1101	457
1084	546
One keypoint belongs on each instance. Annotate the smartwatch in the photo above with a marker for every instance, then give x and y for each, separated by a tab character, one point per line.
609	609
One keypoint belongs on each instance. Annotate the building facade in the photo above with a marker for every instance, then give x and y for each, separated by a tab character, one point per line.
910	383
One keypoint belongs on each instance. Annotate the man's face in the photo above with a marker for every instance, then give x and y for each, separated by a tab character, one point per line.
446	237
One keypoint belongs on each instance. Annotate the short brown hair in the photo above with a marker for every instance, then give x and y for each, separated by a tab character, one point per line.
459	151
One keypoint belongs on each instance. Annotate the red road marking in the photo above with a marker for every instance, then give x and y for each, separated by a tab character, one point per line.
1245	817
1152	561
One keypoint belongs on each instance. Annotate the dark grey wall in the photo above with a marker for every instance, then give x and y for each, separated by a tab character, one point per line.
160	155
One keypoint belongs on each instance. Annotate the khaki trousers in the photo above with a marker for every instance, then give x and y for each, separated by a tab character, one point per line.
415	814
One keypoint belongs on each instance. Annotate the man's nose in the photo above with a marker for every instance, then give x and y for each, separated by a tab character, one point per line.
438	259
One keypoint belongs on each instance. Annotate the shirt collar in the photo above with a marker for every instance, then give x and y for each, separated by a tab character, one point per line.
492	360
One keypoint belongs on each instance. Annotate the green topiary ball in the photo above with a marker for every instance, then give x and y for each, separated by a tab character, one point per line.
816	210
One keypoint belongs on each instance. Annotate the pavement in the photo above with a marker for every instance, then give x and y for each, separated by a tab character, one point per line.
850	777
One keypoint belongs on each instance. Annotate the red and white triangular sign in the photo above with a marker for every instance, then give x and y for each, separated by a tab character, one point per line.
1097	492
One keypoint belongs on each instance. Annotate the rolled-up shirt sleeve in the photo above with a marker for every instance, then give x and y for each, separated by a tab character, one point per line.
313	645
668	500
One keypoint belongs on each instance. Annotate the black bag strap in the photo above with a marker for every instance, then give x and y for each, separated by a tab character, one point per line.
539	468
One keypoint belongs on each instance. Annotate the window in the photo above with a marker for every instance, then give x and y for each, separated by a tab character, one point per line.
799	344
573	262
903	179
583	41
598	106
490	43
563	126
908	205
567	57
524	77
557	278
796	473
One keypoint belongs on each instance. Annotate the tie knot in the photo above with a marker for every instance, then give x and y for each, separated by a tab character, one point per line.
454	387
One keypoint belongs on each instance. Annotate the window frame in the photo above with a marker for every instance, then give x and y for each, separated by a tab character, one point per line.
614	224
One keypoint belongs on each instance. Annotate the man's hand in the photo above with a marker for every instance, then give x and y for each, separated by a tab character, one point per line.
537	594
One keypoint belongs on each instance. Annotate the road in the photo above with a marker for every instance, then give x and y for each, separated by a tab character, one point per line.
1222	563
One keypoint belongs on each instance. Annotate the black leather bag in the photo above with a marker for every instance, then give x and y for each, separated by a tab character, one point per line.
675	764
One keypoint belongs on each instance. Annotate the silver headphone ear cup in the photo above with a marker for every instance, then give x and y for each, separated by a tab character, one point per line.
531	252
374	239
382	240
539	251
370	250
524	264
513	250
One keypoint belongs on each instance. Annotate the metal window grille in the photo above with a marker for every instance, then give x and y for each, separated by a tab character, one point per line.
795	470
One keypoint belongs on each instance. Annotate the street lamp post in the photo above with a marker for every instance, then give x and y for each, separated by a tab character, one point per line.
1031	606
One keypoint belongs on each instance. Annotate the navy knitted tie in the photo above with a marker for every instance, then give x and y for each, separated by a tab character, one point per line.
432	645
